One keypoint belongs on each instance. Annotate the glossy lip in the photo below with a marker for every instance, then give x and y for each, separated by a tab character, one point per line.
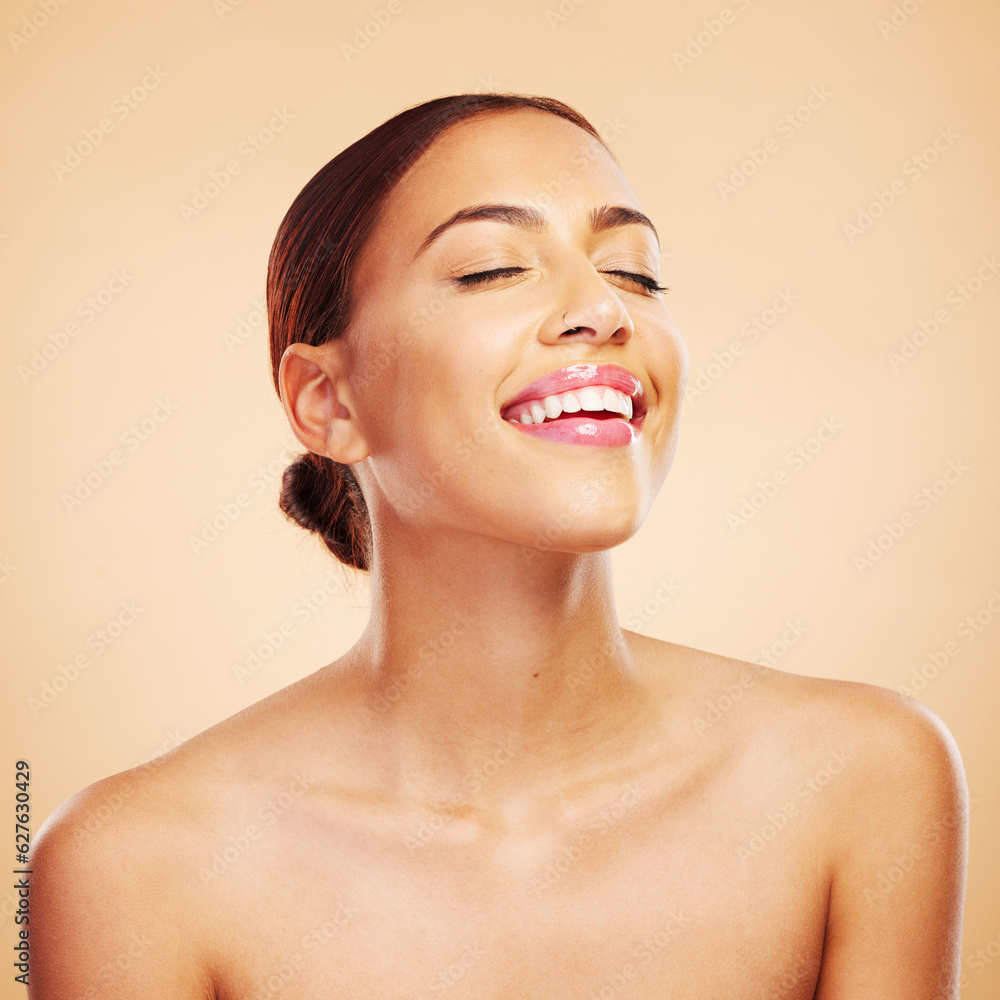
580	375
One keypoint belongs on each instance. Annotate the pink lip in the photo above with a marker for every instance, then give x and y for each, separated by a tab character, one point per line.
608	433
578	376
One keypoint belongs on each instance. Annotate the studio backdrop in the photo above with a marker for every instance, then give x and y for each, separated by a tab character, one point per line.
824	179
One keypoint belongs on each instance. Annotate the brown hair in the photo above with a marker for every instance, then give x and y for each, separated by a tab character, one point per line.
309	282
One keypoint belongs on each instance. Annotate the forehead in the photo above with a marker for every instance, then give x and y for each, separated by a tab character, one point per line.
525	157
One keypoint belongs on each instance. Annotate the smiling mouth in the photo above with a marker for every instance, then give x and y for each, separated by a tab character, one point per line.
588	403
600	402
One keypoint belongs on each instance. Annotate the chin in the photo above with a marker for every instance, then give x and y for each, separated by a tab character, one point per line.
579	527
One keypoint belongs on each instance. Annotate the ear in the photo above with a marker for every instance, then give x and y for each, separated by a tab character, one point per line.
316	397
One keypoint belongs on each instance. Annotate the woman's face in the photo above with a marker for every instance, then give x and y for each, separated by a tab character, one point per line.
436	358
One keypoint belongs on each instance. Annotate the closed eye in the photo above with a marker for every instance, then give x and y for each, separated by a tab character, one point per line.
480	277
650	284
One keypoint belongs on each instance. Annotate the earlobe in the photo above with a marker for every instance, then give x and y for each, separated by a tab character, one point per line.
315	393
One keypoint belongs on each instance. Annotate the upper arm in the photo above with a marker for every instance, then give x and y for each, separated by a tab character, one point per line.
104	925
898	889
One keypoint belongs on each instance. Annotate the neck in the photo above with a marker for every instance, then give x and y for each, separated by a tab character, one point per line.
480	650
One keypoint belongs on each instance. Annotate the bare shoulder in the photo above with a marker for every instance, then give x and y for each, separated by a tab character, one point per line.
874	782
110	895
172	803
118	901
899	756
868	711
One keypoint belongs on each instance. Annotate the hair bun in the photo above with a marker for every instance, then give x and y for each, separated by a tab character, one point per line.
323	496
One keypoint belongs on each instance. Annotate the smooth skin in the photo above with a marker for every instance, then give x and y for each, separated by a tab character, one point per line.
498	792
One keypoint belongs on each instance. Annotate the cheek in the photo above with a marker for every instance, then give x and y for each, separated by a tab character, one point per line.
670	360
425	379
668	364
429	426
436	472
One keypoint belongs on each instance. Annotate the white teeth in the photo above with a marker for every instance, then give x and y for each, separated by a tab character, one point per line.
570	402
590	398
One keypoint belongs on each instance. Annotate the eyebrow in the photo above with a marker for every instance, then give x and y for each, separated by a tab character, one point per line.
601	219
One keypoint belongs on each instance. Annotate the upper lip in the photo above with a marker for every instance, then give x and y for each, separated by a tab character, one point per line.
576	377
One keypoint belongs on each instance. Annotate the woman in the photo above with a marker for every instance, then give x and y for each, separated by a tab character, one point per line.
498	791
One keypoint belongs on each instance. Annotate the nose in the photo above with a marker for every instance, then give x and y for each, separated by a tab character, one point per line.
587	309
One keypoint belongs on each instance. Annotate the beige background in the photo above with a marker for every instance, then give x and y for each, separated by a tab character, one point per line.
211	75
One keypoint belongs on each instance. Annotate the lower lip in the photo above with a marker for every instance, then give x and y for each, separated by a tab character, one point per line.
610	432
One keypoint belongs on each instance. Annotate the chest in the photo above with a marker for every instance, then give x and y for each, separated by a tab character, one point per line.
702	906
